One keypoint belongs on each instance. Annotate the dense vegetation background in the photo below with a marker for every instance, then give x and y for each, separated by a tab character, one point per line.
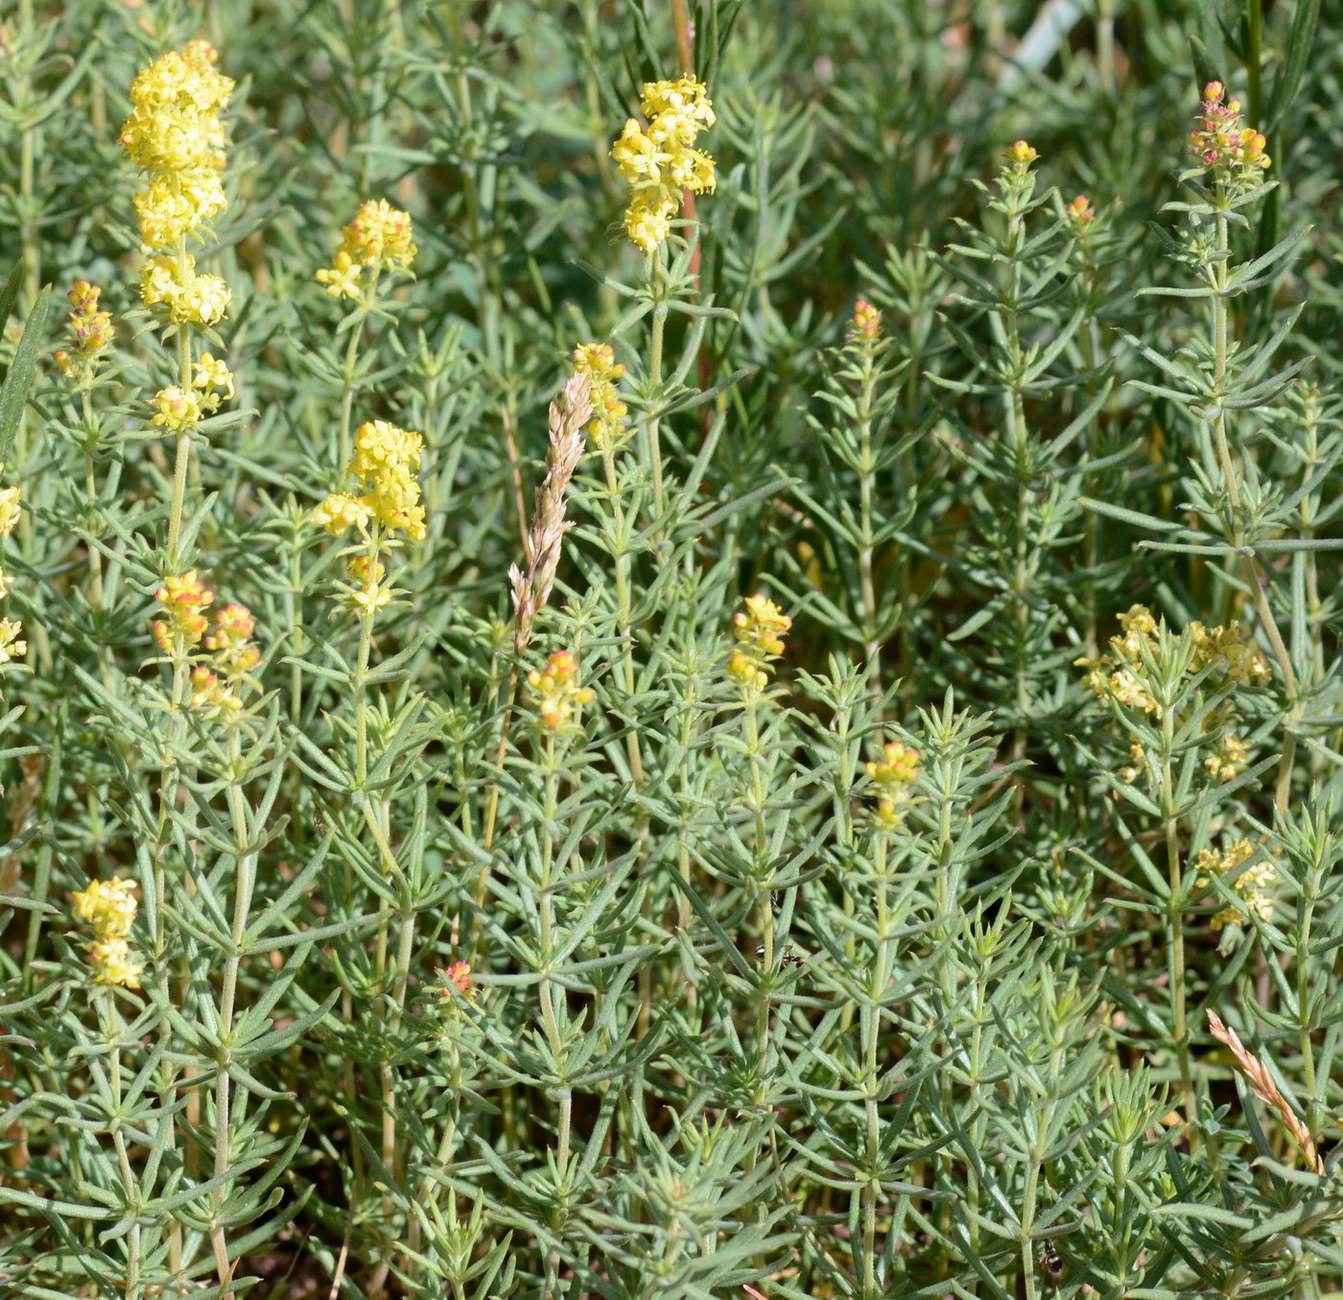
896	933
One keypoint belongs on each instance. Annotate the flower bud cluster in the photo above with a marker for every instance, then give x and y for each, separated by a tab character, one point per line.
608	430
175	137
658	163
11	630
458	977
379	238
866	323
1235	153
558	697
91	333
184	598
759	633
894	776
109	906
216	687
1080	214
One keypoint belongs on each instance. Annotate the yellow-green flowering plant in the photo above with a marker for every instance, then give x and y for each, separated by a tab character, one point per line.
663	651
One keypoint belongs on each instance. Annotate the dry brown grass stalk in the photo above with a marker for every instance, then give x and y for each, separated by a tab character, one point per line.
1262	1085
568	418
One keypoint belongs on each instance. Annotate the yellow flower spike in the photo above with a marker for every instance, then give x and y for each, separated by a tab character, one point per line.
1021	154
608	428
659	162
174	136
91	333
112	963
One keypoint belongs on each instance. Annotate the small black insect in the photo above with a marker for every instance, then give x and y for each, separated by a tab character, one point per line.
789	958
1051	1262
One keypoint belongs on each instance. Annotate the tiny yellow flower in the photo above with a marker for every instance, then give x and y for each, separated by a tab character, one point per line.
9	509
214	379
178	408
112	963
10	645
107	905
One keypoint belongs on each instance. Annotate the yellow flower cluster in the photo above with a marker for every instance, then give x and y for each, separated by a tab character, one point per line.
175	137
1251	886
183	597
658	163
172	285
11	630
91	333
109	906
608	429
216	688
1229	654
379	238
559	698
759	633
894	776
1021	155
178	408
384	462
1235	153
1230	760
1121	675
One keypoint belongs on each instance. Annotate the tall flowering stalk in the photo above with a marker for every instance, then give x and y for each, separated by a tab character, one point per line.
758	632
174	135
382	500
380	240
660	163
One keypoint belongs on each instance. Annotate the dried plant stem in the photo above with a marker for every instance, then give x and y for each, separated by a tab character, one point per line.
1262	1085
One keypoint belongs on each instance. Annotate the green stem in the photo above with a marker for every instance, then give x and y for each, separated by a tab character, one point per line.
244	883
869	1287
1249	564
653	445
1175	921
